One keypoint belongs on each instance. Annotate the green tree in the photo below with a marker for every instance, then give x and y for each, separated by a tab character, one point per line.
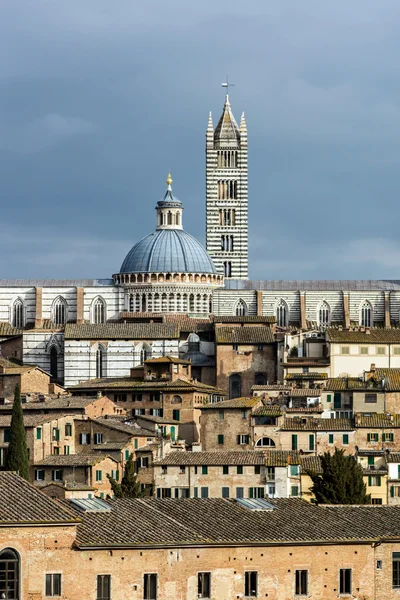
341	481
17	455
129	487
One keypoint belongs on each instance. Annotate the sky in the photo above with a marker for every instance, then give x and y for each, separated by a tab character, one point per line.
100	99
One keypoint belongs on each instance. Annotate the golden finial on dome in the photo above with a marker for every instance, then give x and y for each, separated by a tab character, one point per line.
169	179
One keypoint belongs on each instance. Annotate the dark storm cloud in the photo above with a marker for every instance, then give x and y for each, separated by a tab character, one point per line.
99	99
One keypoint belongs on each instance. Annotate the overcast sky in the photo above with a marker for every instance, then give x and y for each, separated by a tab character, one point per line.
100	98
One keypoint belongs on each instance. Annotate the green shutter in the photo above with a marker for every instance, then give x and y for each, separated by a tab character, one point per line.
329	398
294	442
369	480
331	438
392	491
311	441
39	433
136	443
398	471
368	437
345	439
371	460
251	493
220	439
378	480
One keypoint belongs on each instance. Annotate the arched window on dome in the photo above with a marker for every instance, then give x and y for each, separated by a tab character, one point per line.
366	314
99	310
281	313
205	304
169	218
265	442
17	314
150	303
10	574
198	303
191	303
164	303
157	305
178	218
178	303
171	303
324	314
241	308
59	313
144	303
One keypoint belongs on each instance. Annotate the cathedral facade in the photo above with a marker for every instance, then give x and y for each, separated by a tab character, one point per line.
170	272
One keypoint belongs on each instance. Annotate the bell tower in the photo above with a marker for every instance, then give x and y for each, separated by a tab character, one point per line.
226	194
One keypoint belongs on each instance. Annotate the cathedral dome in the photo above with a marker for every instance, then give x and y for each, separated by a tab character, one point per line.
168	251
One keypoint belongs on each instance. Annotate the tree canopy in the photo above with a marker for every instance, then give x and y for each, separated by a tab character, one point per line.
341	481
129	486
17	454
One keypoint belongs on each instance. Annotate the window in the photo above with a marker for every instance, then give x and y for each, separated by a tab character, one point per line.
241	309
250	584
56	475
235	386
301	583
364	350
176	414
100	359
244	414
294	490
294	441
204	585
68	429
204	470
345	439
220	439
17	319
240	492
270	473
345	350
387	437
345	581
39	474
38	433
395	491
225	492
227	269
98	438
221	415
294	470
323	314
99	475
59	312
56	434
311	441
103	587
182	469
225	470
84	439
371	398
239	470
150	586
372	437
381	350
235	347
260	378
242	439
374	480
366	314
56	450
7	433
67	449
282	314
176	399
256	492
257	470
164	470
143	462
204	492
396	569
9	574
99	311
376	501
53	584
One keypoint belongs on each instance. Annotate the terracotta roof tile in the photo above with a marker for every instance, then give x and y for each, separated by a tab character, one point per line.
244	319
129	331
70	460
213	458
312	424
376	335
281	458
377	420
267	411
244	335
234	403
6	330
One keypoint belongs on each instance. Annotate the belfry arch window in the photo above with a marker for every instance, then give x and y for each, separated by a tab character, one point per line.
177	219
241	308
9	574
170	218
282	314
366	314
324	314
59	312
227	269
99	311
17	317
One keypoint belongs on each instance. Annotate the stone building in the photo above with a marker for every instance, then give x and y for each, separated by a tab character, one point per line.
189	548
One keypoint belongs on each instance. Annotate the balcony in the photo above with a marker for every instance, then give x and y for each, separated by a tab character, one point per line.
154	378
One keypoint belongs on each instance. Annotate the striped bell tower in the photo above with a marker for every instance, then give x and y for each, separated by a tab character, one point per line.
226	194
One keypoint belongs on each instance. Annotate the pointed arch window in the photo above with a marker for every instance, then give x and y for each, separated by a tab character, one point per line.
144	352
366	314
99	311
59	316
282	314
324	314
241	308
9	574
18	314
100	362
227	269
53	362
169	218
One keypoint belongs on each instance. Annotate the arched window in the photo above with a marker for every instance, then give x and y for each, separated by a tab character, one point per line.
59	312
100	362
235	386
131	303
241	308
53	362
227	269
9	574
17	318
99	311
260	379
191	303
169	218
265	442
366	314
323	314
282	313
178	218
176	400
143	352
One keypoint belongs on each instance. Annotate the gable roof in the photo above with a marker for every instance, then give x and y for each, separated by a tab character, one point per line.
118	331
233	403
131	430
376	335
244	335
240	457
128	383
317	424
71	460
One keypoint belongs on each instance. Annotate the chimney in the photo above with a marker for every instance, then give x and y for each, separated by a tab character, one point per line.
373	368
367	331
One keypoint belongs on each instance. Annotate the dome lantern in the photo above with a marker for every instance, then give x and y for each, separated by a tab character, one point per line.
169	209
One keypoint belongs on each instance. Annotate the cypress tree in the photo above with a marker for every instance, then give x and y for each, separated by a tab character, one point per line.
341	481
17	455
129	486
